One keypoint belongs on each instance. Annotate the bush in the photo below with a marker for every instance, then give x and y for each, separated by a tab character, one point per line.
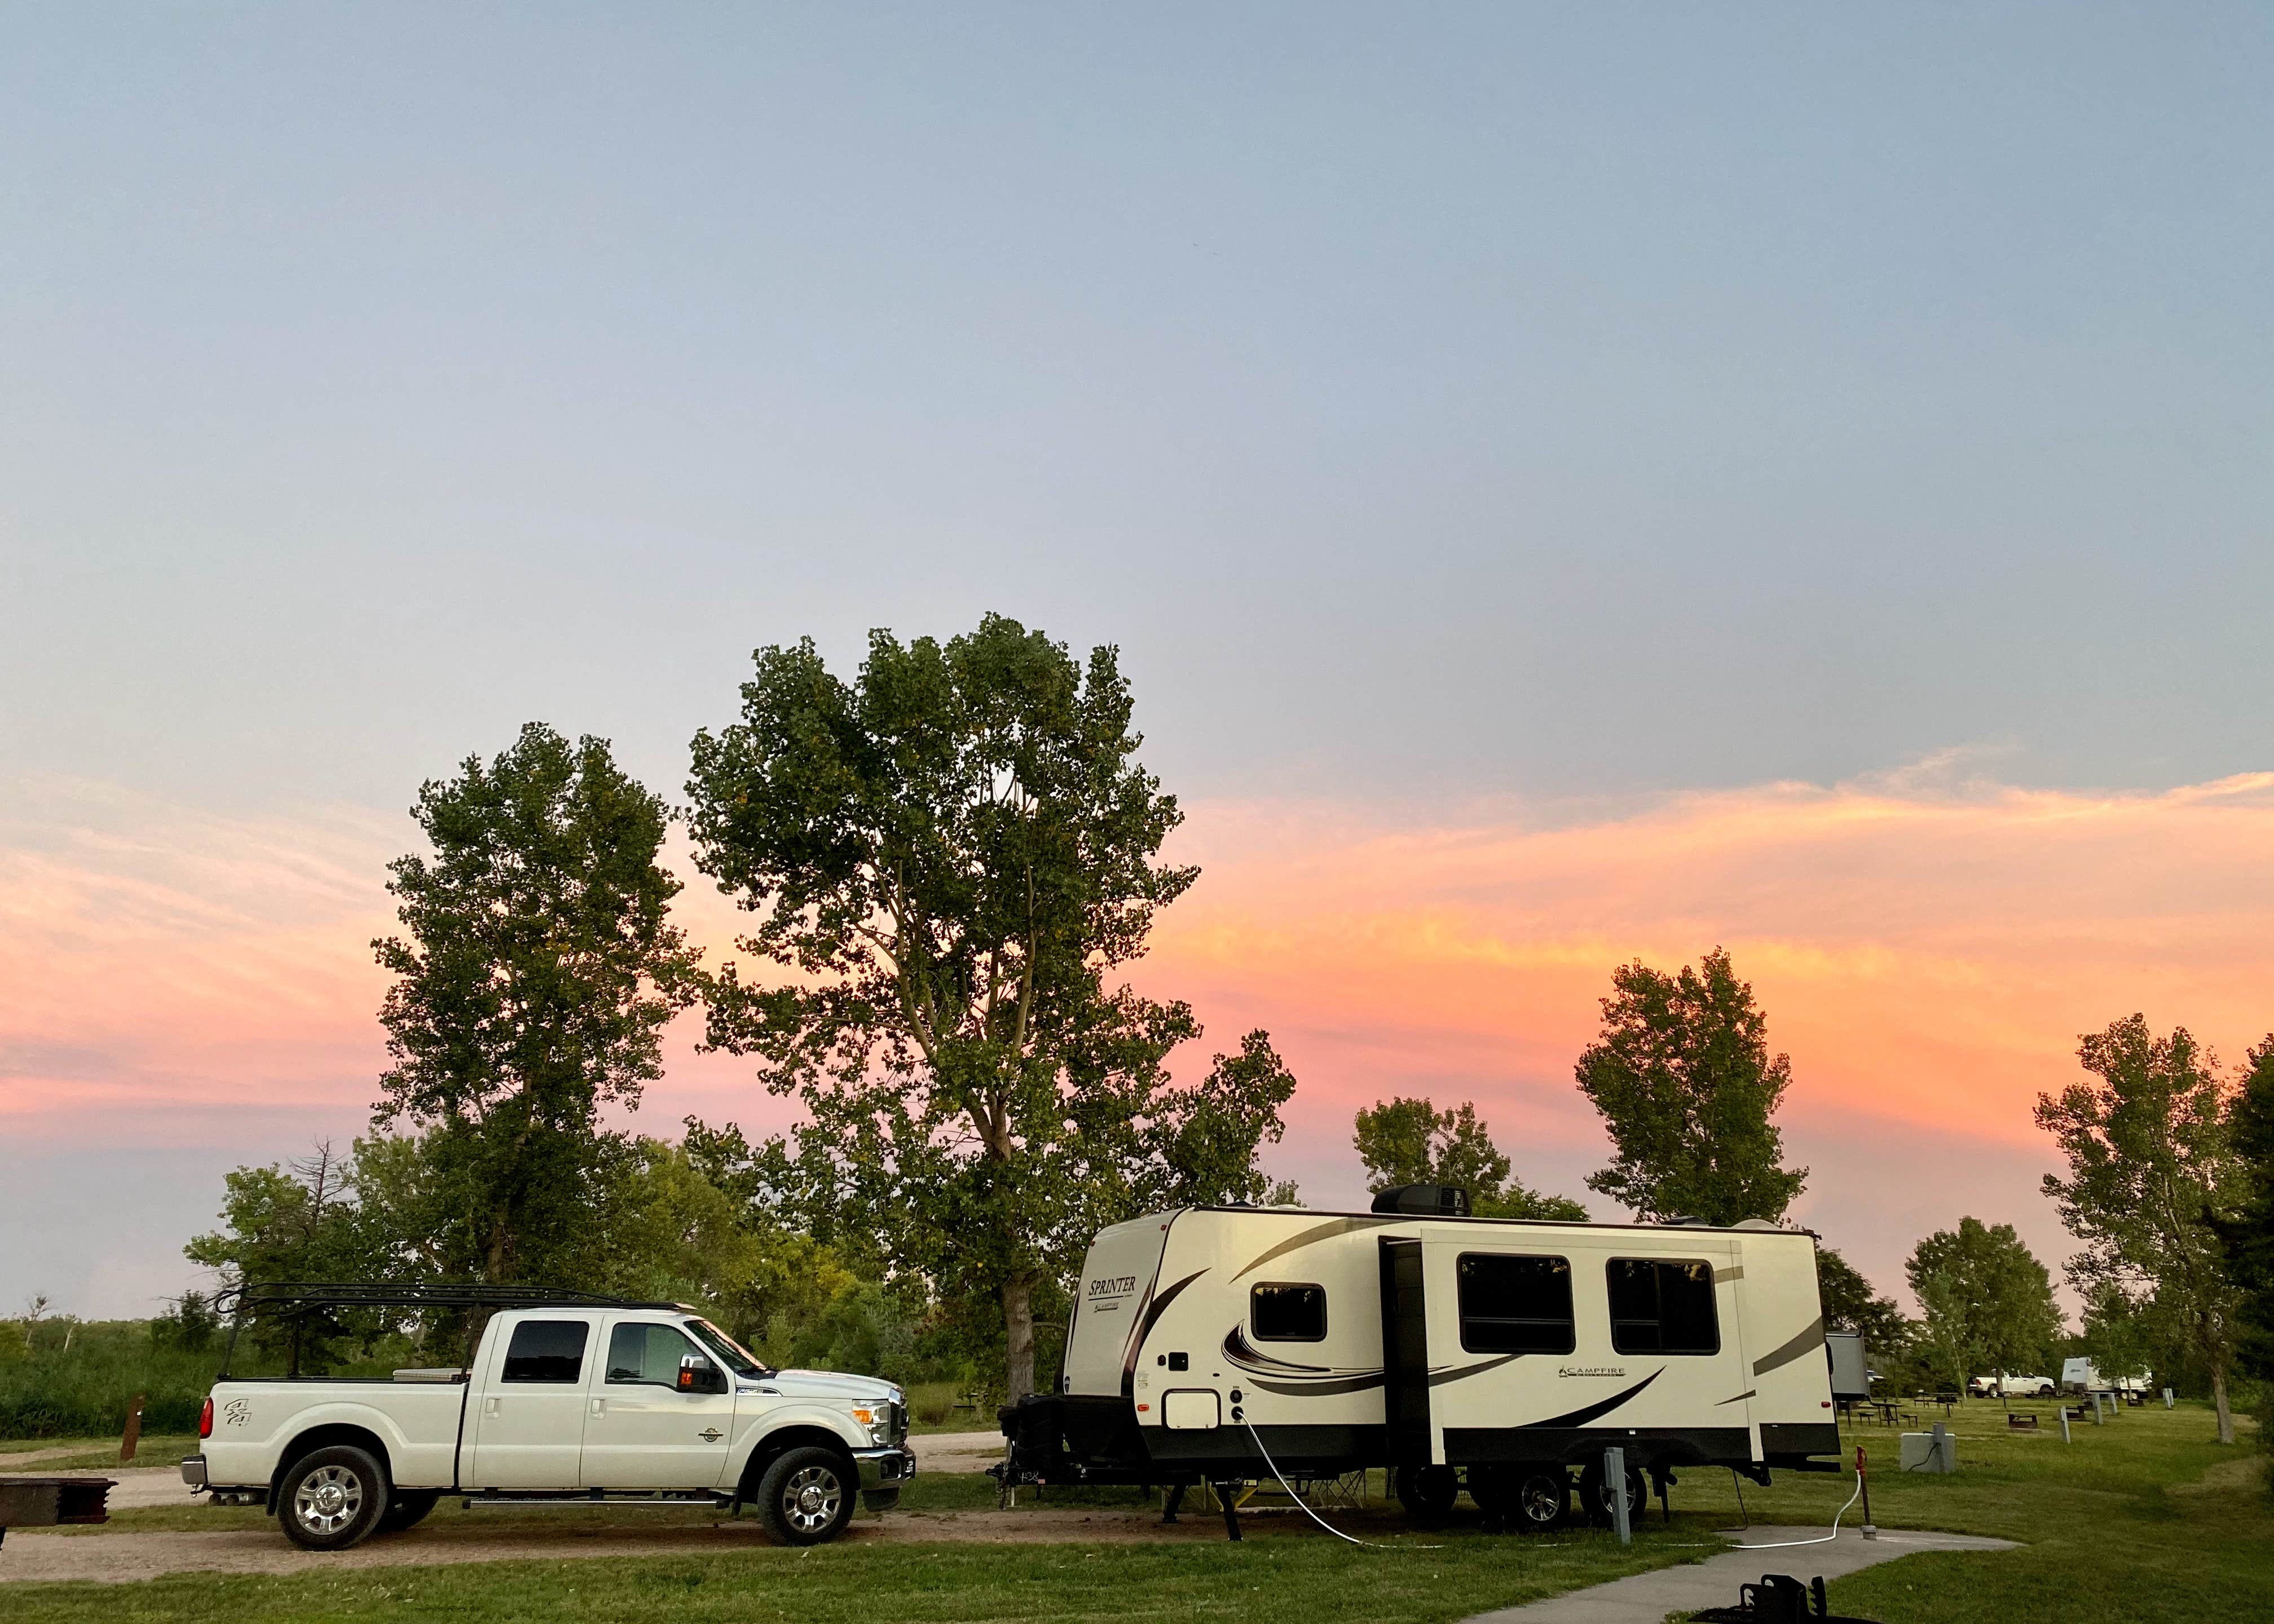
75	1379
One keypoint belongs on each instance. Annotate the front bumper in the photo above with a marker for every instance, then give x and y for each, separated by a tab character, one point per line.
887	1468
883	1472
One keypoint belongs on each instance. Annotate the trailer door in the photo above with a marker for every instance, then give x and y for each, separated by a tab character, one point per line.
1405	1354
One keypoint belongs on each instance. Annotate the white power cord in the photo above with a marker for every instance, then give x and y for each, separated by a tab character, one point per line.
1314	1516
1787	1544
1782	1545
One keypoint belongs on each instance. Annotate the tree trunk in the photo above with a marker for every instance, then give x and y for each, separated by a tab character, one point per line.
494	1270
2219	1403
1019	1335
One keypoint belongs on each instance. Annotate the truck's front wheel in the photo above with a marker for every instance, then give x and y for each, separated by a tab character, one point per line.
333	1498
807	1496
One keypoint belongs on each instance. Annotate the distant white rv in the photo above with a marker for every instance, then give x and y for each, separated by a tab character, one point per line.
1487	1354
2080	1376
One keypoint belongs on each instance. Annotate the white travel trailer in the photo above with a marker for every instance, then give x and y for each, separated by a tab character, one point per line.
1484	1354
2082	1376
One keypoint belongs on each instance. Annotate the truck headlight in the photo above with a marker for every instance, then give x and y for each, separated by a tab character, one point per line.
878	1421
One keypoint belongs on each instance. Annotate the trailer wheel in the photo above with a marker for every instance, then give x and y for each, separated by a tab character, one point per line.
333	1498
408	1510
806	1495
1427	1493
1595	1493
1528	1497
1543	1499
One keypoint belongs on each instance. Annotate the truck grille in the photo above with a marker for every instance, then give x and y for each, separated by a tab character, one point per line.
897	1424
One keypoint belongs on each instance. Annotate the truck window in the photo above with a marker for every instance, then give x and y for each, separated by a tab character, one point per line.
545	1350
1658	1306
1515	1305
646	1352
1285	1313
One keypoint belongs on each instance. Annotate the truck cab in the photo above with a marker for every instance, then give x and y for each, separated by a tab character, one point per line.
570	1400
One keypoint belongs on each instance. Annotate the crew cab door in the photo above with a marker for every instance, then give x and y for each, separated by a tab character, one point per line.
527	1431
642	1430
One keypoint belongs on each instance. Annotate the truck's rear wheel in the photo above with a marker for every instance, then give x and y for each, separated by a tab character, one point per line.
807	1496
408	1510
333	1498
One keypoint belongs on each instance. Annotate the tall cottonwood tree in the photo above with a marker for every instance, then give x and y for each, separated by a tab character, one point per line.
948	860
1988	1302
1411	1142
539	969
2248	1233
1682	1076
2151	1171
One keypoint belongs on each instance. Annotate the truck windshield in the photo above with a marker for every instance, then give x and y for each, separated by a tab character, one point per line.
731	1353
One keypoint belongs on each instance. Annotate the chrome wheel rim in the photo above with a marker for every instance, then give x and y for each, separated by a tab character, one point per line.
330	1498
1542	1501
811	1497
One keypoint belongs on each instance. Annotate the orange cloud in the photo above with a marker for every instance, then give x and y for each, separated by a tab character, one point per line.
1926	952
1927	949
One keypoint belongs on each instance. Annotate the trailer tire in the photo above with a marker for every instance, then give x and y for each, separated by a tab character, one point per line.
1428	1492
1595	1494
333	1498
408	1510
1534	1499
808	1495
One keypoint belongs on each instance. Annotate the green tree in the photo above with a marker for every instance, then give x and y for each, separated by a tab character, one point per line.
291	1221
2150	1170
1411	1142
1682	1076
2246	1234
1850	1303
532	990
1988	1302
948	860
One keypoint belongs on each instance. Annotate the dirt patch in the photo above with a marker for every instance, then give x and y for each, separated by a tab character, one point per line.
2243	1476
121	1558
956	1451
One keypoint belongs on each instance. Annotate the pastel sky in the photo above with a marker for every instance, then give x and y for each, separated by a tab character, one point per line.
1568	484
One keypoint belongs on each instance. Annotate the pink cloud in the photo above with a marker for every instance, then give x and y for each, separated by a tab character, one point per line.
1927	951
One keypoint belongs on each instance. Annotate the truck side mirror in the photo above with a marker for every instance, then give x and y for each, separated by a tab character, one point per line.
698	1374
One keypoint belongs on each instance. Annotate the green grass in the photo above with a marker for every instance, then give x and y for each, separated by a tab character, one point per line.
90	1454
2144	1518
1266	1577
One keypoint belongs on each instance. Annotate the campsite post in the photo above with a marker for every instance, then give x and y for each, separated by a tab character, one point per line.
1864	1483
1615	1480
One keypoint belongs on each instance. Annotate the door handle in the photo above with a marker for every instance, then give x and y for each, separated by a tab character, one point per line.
489	1406
599	1407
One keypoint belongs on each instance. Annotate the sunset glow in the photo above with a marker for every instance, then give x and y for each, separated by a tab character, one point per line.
1927	951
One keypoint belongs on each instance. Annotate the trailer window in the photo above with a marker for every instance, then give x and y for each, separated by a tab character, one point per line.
1658	1306
1515	1305
545	1350
1283	1313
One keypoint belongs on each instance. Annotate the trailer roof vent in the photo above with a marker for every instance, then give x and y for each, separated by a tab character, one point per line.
1425	1200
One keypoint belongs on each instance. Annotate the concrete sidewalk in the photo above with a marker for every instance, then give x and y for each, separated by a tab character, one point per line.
1647	1598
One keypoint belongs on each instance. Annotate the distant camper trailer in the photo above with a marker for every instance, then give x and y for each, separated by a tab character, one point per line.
1849	1363
1484	1354
2081	1376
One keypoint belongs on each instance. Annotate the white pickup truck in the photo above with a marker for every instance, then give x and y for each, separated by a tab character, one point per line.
2005	1386
569	1402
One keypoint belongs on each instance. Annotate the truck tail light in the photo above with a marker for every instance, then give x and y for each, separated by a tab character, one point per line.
205	1418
